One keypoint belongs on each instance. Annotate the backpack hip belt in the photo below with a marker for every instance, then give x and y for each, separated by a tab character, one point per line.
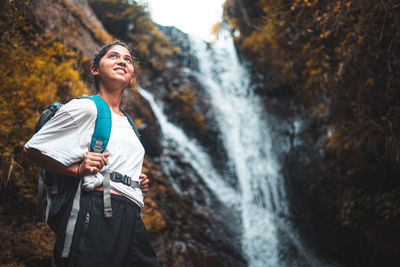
120	178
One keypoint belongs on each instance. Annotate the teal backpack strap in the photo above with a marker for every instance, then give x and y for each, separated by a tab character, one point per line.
131	123
98	144
102	129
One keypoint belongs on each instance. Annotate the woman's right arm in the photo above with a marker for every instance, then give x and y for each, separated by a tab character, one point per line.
52	165
61	144
92	161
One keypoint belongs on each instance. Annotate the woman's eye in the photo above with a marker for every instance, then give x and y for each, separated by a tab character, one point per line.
128	60
113	56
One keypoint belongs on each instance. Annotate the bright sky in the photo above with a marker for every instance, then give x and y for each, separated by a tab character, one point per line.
191	16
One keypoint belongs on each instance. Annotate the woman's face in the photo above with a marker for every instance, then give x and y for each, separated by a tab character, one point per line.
115	68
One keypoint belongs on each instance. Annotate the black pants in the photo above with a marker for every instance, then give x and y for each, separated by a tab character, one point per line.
98	241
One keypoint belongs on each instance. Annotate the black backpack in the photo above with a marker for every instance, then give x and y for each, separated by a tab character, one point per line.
63	192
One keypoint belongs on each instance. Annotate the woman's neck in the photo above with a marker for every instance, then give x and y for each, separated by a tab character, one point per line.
113	99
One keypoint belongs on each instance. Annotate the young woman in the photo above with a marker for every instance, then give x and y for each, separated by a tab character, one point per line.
62	146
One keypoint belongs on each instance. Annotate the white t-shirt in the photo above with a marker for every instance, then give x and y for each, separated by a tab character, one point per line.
66	138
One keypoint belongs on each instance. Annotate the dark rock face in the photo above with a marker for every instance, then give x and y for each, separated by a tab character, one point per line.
181	40
331	215
72	22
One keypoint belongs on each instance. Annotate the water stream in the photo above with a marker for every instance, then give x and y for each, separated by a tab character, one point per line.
259	198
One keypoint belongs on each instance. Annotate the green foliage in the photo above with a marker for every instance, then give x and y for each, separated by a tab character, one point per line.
342	58
34	71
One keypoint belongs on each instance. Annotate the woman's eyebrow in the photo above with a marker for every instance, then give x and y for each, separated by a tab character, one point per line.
115	52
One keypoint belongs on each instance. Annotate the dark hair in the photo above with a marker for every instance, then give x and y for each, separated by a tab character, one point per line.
100	54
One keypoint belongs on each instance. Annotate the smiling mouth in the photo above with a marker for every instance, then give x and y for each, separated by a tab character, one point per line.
119	70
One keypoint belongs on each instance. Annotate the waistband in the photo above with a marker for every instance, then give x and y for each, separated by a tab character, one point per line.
99	194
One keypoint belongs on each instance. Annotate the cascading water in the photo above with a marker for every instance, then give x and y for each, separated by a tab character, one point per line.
260	197
246	137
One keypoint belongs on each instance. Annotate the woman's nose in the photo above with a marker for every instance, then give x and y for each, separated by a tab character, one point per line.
121	62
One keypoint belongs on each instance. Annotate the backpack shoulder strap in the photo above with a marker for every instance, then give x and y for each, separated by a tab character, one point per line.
47	114
131	123
98	144
102	129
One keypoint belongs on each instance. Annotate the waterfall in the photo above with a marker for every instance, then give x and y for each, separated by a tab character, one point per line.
246	136
259	198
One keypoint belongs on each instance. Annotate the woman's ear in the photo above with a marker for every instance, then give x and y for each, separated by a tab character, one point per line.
93	70
132	80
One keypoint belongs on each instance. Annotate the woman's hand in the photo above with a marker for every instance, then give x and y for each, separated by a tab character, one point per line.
144	183
92	163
